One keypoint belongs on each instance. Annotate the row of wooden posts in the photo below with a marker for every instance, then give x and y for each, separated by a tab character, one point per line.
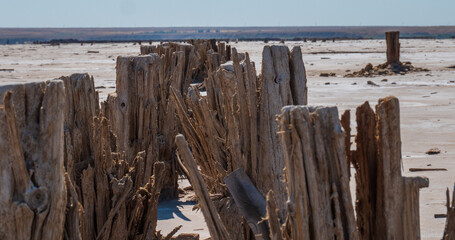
262	164
73	169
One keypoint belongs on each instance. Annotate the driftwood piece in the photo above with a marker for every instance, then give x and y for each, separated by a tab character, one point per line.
387	202
211	216
449	229
31	147
186	236
393	46
314	153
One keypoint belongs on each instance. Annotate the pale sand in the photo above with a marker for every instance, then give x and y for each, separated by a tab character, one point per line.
427	101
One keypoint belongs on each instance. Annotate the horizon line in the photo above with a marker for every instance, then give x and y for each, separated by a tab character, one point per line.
303	26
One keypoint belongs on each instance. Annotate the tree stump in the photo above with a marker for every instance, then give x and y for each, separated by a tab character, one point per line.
393	47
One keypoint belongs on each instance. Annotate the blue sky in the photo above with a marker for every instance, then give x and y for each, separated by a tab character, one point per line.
173	13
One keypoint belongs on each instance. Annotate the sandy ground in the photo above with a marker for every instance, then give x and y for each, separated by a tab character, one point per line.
427	101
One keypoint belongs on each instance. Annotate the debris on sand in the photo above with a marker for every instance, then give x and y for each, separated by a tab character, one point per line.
433	151
451	66
93	51
6	70
187	236
426	169
386	69
324	74
384	80
372	83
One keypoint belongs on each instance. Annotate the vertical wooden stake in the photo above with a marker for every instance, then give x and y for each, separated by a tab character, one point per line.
393	47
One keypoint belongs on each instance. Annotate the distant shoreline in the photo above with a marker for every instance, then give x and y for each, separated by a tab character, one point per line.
105	35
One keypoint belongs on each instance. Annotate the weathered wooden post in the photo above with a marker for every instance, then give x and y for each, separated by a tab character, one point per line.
387	203
197	53
449	229
283	83
81	106
141	114
32	176
314	148
234	125
109	196
103	196
393	47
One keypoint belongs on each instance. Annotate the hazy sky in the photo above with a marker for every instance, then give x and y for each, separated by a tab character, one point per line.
169	13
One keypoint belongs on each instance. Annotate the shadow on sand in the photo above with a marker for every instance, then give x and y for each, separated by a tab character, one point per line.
167	209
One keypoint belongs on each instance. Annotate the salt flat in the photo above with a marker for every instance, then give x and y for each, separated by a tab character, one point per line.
427	100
